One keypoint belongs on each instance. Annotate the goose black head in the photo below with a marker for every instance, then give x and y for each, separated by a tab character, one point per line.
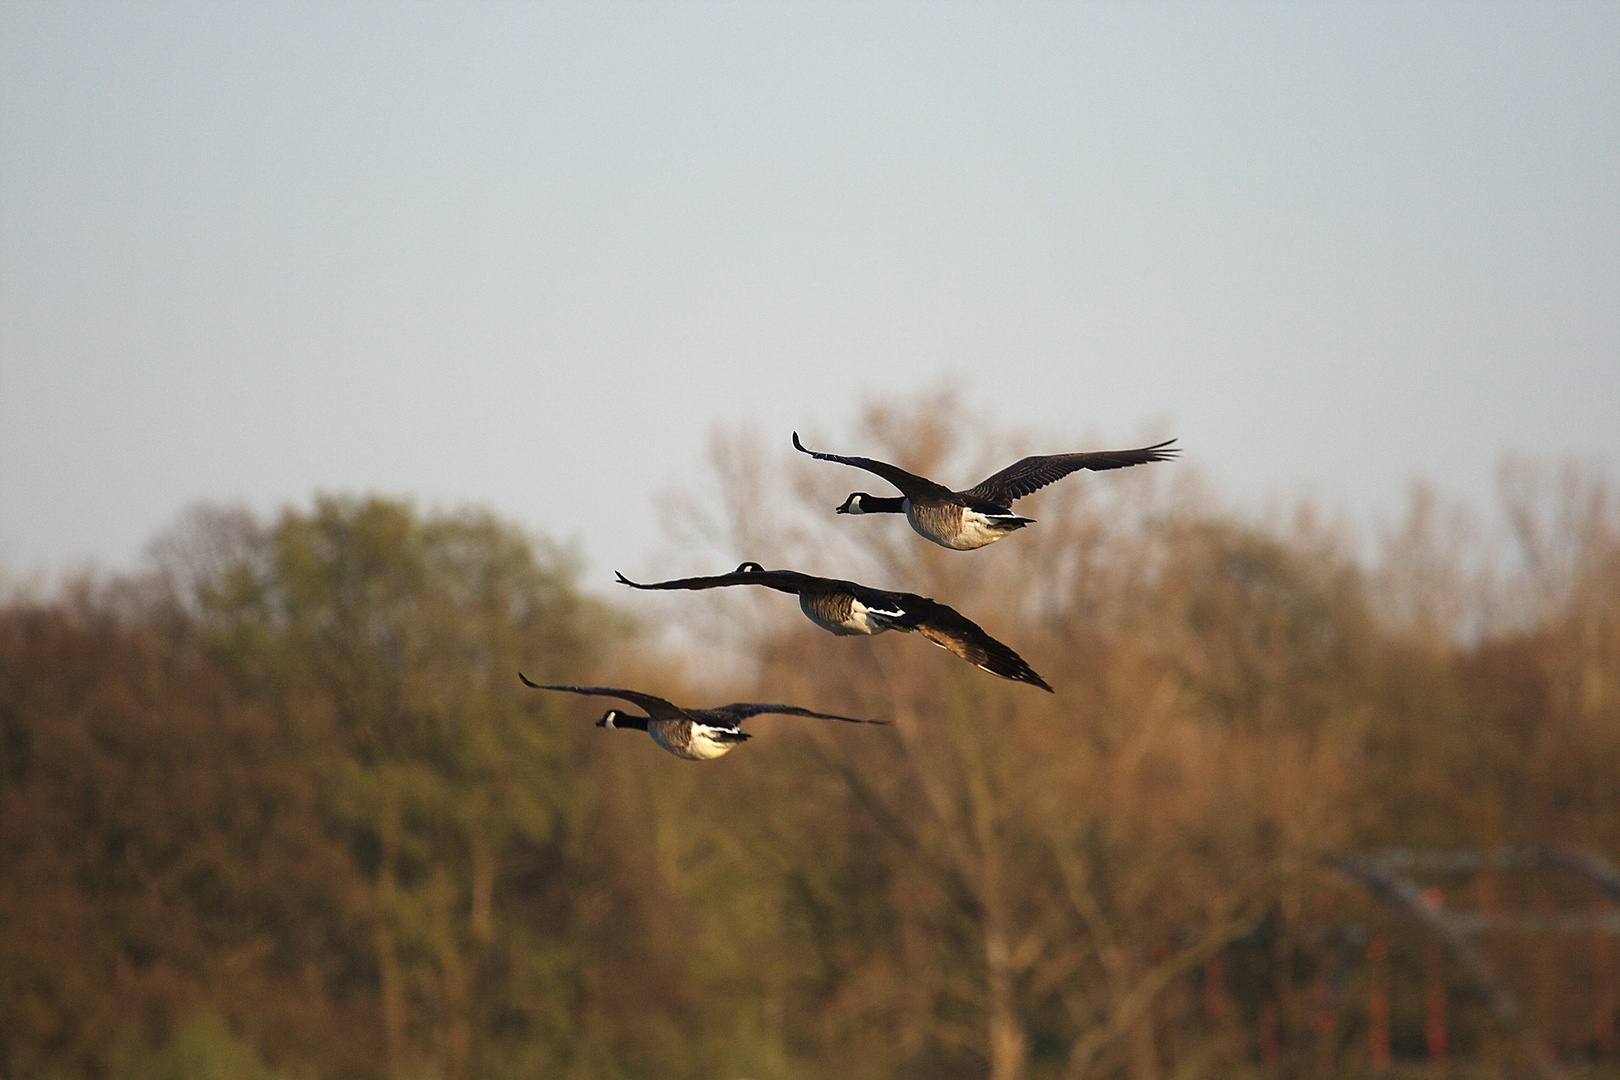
749	568
608	718
853	504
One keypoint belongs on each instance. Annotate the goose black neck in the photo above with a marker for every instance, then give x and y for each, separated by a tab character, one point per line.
874	504
623	721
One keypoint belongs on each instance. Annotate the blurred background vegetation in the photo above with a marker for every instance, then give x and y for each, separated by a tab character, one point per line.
280	808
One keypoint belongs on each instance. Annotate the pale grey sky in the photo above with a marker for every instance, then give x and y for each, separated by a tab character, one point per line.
526	255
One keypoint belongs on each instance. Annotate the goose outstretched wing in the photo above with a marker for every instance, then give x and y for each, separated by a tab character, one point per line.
782	580
951	630
739	711
1033	473
914	486
657	708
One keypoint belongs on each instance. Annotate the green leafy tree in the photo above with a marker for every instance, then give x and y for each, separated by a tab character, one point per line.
391	643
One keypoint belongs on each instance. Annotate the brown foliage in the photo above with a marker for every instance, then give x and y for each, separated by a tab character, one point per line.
160	851
292	784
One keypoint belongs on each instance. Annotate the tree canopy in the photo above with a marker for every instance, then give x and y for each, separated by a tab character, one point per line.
281	808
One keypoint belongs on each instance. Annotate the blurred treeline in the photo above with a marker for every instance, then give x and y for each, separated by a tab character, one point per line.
280	808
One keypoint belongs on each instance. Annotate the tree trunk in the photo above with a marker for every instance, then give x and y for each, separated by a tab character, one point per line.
1004	1030
453	969
483	892
1007	1042
388	977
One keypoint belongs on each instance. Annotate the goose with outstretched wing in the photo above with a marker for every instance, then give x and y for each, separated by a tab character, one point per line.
693	734
844	607
981	515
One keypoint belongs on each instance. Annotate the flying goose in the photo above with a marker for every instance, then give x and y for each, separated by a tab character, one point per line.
964	520
843	607
693	734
